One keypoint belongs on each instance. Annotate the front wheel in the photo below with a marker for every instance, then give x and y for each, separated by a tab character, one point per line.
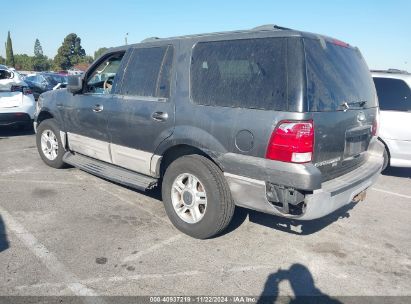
49	144
196	197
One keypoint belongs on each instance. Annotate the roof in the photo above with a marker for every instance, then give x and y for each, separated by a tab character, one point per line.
259	31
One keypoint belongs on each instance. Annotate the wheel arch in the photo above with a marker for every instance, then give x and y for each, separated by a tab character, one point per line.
43	115
387	148
176	151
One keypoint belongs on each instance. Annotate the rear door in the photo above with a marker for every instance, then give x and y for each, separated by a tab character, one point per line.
394	96
143	114
342	99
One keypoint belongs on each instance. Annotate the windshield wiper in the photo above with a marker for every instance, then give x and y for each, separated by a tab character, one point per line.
346	105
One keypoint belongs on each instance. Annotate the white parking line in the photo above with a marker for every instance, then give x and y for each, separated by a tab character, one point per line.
146	276
46	257
155	247
115	279
392	193
16	151
39	182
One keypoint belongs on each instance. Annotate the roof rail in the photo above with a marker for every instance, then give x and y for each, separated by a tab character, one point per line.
150	39
392	71
267	27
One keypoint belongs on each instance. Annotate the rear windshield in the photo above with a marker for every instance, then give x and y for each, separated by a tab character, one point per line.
336	75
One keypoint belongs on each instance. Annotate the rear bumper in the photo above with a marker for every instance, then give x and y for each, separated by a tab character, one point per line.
8	119
332	195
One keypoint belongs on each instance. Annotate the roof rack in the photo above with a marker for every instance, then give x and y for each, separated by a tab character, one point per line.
392	71
267	27
150	39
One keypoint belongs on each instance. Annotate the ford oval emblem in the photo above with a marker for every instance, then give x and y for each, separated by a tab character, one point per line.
361	116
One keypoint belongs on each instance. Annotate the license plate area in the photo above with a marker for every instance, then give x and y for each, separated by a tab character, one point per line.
357	141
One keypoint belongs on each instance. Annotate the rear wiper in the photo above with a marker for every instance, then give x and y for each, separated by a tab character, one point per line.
346	105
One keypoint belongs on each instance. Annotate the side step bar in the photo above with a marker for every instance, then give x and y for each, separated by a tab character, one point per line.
110	172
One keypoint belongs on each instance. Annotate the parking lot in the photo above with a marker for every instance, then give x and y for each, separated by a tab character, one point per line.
65	232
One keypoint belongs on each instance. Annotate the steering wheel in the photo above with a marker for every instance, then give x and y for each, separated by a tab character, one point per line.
108	84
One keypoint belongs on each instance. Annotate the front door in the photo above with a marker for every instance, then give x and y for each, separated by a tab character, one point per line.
86	116
143	115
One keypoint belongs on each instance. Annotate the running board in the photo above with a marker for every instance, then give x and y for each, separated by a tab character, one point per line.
110	172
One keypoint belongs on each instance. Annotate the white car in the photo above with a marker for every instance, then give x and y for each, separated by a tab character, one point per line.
17	104
394	95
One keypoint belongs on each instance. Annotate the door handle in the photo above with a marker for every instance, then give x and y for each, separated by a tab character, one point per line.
159	116
98	108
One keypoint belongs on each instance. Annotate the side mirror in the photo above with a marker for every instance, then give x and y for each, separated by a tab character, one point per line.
75	84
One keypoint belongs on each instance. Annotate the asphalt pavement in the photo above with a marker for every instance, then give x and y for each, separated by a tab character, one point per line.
66	232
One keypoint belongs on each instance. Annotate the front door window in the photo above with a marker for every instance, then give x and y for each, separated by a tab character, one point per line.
102	78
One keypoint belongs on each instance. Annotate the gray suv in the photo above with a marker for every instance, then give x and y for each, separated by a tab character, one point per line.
271	119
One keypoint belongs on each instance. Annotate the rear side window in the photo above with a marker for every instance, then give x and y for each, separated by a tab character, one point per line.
335	75
246	73
148	72
393	94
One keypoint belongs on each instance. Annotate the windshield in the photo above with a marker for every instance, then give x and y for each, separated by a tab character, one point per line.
337	75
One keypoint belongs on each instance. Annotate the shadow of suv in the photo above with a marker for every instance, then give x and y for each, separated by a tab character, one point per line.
271	119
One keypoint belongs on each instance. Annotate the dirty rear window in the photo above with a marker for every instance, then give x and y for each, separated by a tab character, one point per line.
247	73
336	74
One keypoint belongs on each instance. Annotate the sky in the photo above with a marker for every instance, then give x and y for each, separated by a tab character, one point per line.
381	29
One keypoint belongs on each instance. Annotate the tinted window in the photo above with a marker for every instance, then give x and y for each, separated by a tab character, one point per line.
240	73
393	94
55	79
5	74
335	75
148	72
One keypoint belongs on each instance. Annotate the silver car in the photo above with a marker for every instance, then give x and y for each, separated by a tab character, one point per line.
394	94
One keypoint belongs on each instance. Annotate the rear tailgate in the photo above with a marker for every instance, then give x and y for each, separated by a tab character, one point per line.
343	103
10	99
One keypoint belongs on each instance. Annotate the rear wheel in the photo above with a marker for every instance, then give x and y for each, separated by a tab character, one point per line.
49	144
196	197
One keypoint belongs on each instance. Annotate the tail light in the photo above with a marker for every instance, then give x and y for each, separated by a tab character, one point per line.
292	141
27	91
24	90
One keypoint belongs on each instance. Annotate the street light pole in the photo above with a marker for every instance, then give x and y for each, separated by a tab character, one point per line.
126	38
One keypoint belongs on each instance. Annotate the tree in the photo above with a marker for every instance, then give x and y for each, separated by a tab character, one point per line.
2	60
69	53
9	51
99	52
23	62
41	63
38	50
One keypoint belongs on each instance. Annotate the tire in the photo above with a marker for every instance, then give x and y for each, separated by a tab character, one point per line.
386	160
50	129
207	217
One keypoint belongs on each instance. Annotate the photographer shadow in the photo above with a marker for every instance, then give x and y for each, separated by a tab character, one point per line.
4	244
302	284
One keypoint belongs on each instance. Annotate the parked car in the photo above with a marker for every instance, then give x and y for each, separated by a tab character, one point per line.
17	104
394	94
43	82
270	119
